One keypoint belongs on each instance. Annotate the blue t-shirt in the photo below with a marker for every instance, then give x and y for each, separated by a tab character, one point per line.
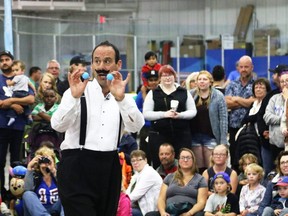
21	119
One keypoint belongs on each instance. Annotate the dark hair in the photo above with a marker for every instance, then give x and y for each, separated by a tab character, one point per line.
168	145
280	155
149	54
34	70
107	43
261	81
218	73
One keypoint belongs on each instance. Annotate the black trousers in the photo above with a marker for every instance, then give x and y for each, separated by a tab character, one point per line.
233	147
89	182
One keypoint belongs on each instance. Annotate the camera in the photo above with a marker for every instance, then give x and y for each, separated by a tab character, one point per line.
44	160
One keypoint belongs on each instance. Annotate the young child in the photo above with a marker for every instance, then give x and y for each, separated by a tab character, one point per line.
222	201
151	65
244	161
44	111
279	205
20	86
252	193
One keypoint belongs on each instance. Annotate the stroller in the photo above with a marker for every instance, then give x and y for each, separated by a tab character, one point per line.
42	133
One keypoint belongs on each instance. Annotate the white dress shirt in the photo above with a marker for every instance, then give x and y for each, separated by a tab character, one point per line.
103	117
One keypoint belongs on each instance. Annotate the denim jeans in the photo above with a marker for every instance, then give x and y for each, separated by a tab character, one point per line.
32	206
136	212
268	211
268	163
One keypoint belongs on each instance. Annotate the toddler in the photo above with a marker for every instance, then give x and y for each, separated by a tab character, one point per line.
222	201
244	161
151	67
20	88
252	193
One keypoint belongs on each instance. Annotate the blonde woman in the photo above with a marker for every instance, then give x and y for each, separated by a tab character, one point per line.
41	191
210	125
47	81
219	159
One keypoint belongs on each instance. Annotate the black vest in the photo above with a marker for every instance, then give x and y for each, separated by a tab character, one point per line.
162	103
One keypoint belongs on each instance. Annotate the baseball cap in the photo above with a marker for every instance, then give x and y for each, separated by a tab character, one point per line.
279	68
282	181
7	53
151	73
79	60
222	175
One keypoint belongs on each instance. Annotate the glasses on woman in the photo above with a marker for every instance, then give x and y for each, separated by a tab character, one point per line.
187	158
283	162
219	155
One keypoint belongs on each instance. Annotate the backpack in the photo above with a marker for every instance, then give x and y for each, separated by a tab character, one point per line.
247	141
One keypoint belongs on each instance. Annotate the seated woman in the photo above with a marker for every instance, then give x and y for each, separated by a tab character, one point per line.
41	192
144	186
220	155
183	192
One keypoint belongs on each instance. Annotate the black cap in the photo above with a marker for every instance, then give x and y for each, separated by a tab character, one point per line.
7	53
151	73
79	60
279	69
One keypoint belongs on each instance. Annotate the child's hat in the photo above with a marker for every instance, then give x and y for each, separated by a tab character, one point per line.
222	175
282	181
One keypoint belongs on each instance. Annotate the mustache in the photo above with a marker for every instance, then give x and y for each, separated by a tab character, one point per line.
102	72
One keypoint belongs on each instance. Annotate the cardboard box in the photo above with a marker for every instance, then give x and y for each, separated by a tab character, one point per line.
152	45
196	51
243	45
243	22
213	44
192	40
263	52
264	32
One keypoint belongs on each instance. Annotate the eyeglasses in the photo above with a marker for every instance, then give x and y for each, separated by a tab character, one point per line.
186	158
283	162
54	68
284	81
219	155
167	75
136	160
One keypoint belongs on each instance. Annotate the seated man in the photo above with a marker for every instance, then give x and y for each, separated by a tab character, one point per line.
167	158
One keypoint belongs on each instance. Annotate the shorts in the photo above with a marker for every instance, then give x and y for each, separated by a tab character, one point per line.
200	139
